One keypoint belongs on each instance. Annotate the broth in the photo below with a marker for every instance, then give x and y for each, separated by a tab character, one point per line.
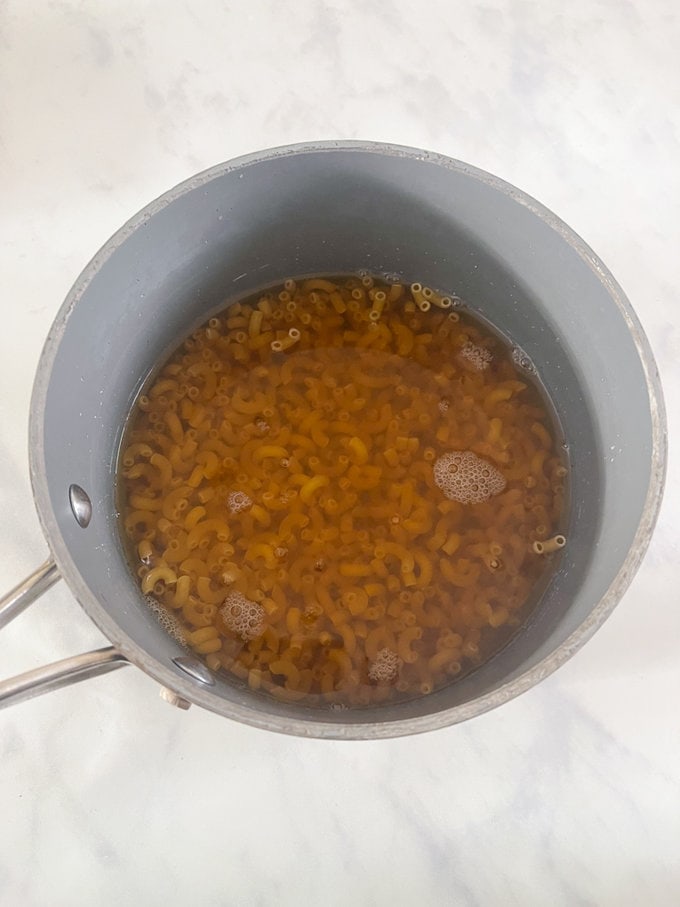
343	491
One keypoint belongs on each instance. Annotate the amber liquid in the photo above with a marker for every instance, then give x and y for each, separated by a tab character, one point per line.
333	491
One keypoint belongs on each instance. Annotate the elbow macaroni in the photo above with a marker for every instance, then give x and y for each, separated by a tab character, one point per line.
285	453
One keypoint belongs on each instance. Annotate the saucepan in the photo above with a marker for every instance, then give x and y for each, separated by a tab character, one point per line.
337	207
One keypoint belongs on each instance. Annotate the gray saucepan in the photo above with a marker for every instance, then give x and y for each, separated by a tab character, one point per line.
335	207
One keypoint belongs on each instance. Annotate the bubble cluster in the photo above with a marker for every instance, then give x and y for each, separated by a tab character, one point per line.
167	620
476	356
385	667
443	405
238	501
520	358
465	477
242	615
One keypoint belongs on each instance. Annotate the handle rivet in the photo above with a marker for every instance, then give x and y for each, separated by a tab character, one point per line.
194	668
81	505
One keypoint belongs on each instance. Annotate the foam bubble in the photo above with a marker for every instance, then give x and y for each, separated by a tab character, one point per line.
167	620
238	501
520	358
478	357
385	667
243	616
465	477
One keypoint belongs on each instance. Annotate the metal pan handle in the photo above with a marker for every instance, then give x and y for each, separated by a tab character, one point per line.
60	673
23	595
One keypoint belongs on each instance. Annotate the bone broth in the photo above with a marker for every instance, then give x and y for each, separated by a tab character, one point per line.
343	491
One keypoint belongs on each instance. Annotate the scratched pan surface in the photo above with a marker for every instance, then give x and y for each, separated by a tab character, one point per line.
331	208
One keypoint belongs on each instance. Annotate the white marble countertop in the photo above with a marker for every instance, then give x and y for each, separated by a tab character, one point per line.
569	795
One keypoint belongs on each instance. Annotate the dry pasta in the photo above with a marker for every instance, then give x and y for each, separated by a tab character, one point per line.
342	491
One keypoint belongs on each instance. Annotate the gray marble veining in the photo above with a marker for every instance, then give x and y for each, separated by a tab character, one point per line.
569	795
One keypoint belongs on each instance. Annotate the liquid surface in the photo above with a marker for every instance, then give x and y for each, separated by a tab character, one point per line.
342	491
